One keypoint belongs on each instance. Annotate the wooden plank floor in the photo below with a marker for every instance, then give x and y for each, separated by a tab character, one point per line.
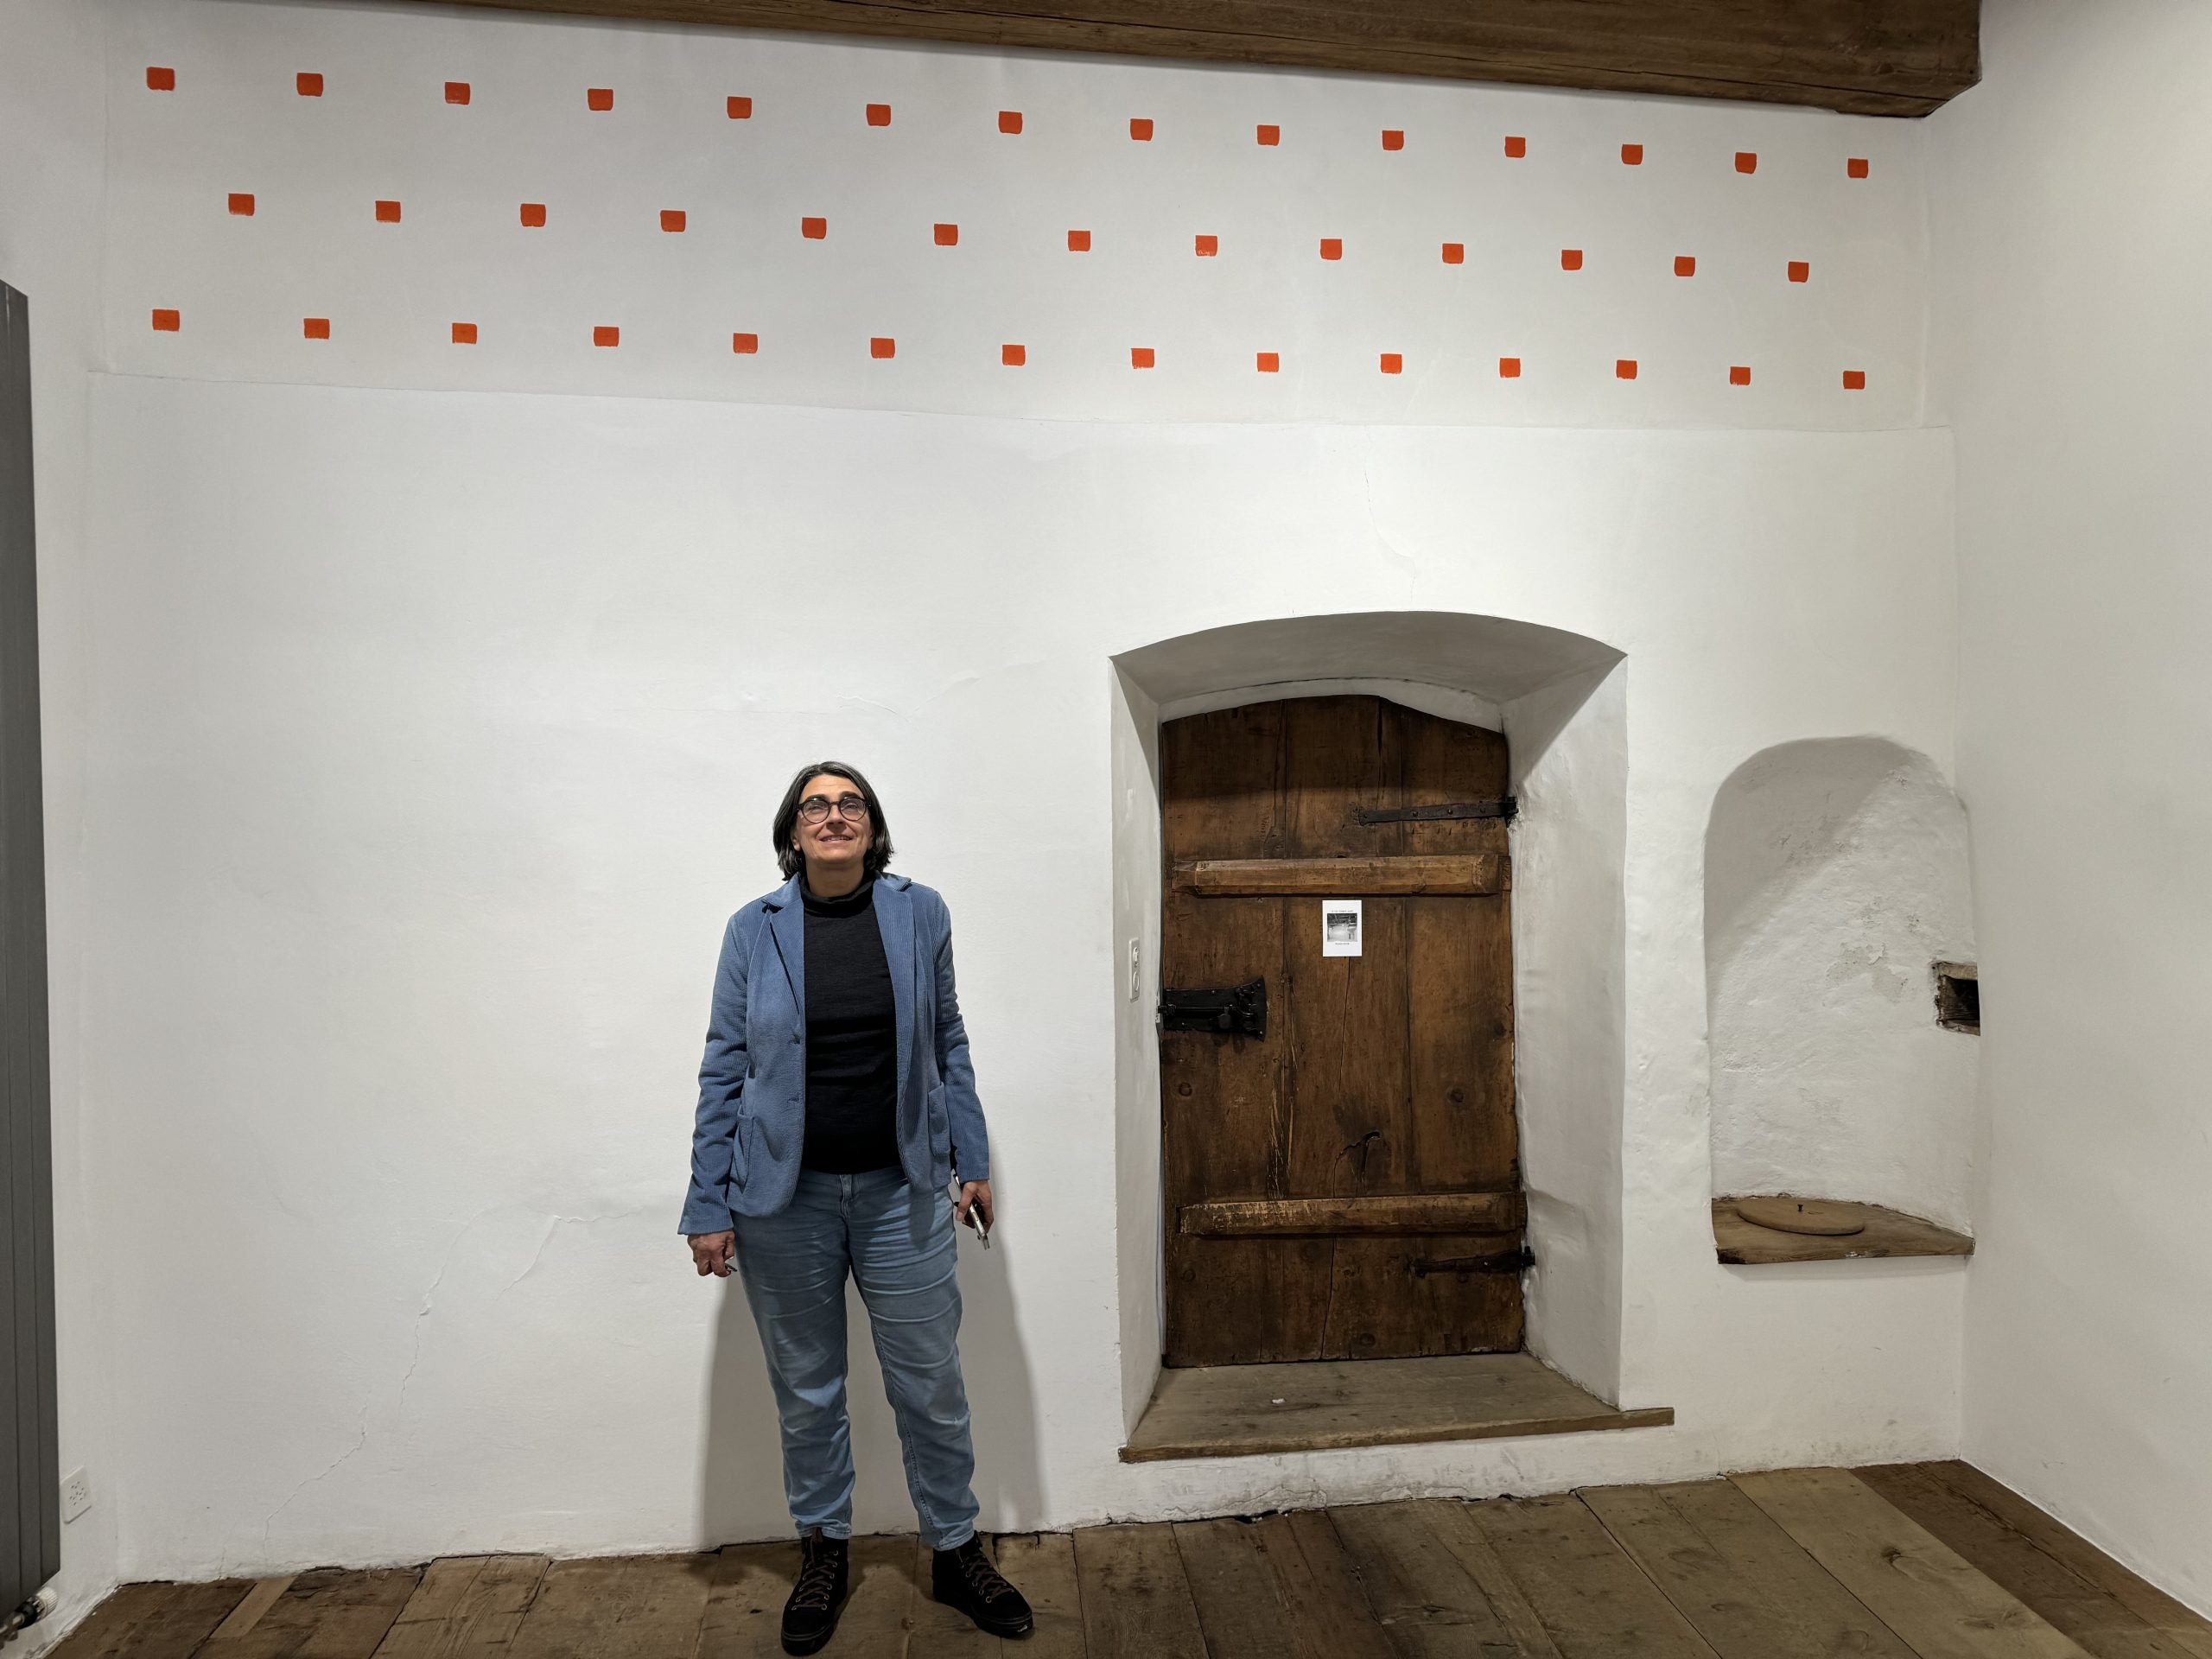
1913	1562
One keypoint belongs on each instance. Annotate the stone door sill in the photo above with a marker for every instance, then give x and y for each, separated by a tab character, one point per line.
1242	1411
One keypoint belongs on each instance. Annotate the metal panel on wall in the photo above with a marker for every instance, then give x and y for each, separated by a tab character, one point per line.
30	1477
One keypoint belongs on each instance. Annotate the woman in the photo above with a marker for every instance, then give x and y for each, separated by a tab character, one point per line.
836	1104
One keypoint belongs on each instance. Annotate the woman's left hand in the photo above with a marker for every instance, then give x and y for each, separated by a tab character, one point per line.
975	1196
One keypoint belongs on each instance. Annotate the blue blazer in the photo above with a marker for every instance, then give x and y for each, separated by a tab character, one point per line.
752	1121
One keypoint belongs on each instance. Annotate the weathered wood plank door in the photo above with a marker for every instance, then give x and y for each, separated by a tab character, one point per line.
1383	1084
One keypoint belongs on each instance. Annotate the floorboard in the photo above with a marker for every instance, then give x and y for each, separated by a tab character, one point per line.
330	1613
2093	1617
465	1607
1742	1582
1233	1584
1416	1590
1041	1565
1594	1602
743	1615
1911	1561
1136	1603
153	1621
1907	1579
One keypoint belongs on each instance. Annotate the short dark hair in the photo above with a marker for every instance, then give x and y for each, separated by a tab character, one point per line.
790	860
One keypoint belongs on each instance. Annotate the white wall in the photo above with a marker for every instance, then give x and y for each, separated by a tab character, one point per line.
1835	877
52	114
382	129
2075	349
432	718
436	734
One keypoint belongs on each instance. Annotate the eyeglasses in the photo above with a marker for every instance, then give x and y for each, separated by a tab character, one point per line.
815	809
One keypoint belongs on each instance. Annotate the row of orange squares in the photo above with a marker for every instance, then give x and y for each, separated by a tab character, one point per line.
1205	245
1268	134
169	320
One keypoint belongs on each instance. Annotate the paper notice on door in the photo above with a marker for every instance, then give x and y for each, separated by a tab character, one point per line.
1340	927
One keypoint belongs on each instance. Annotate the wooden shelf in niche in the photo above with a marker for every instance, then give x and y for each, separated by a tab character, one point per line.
1887	1233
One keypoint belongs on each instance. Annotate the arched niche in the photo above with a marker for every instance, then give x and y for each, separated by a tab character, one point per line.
1836	877
1559	697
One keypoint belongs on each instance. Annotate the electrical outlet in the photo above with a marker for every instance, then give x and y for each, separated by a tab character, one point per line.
1137	967
76	1494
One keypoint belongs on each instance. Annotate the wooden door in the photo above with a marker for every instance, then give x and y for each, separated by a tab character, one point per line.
1346	1185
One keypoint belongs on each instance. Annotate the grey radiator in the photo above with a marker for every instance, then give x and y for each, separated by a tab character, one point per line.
31	1476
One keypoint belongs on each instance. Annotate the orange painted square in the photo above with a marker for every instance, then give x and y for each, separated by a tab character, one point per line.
1856	167
814	229
1509	368
168	322
1741	375
1455	253
1570	258
533	214
464	333
600	98
1009	121
242	203
1800	271
1078	241
745	345
1517	148
1332	247
1141	129
387	213
1631	154
740	109
1014	356
882	346
1140	357
673	219
1206	246
1393	138
315	328
1267	362
948	236
160	80
603	335
1268	134
309	82
1685	265
1747	160
1392	363
457	92
878	115
1625	369
1854	379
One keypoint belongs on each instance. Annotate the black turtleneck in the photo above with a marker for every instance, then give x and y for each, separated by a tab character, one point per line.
852	1055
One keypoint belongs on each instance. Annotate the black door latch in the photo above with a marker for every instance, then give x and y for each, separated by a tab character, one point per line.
1239	1010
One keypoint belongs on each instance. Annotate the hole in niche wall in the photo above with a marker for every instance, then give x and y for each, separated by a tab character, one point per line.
1958	996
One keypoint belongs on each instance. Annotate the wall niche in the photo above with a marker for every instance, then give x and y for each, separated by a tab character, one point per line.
1836	881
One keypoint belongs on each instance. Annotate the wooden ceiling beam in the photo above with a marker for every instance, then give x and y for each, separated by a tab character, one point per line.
1865	57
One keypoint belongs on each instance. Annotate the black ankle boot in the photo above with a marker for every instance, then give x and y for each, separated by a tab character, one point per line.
810	1614
964	1578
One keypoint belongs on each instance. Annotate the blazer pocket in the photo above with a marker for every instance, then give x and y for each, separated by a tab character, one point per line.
940	1121
739	1149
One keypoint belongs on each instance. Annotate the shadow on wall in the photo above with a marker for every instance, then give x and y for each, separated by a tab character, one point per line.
1836	875
742	1497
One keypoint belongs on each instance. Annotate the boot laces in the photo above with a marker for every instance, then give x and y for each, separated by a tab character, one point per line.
984	1579
817	1579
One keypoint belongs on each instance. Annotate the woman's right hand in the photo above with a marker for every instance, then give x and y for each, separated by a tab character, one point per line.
711	1253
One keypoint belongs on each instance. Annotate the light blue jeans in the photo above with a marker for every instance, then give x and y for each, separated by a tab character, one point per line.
898	1243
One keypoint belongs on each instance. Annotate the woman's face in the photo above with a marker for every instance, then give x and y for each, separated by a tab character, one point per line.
838	842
